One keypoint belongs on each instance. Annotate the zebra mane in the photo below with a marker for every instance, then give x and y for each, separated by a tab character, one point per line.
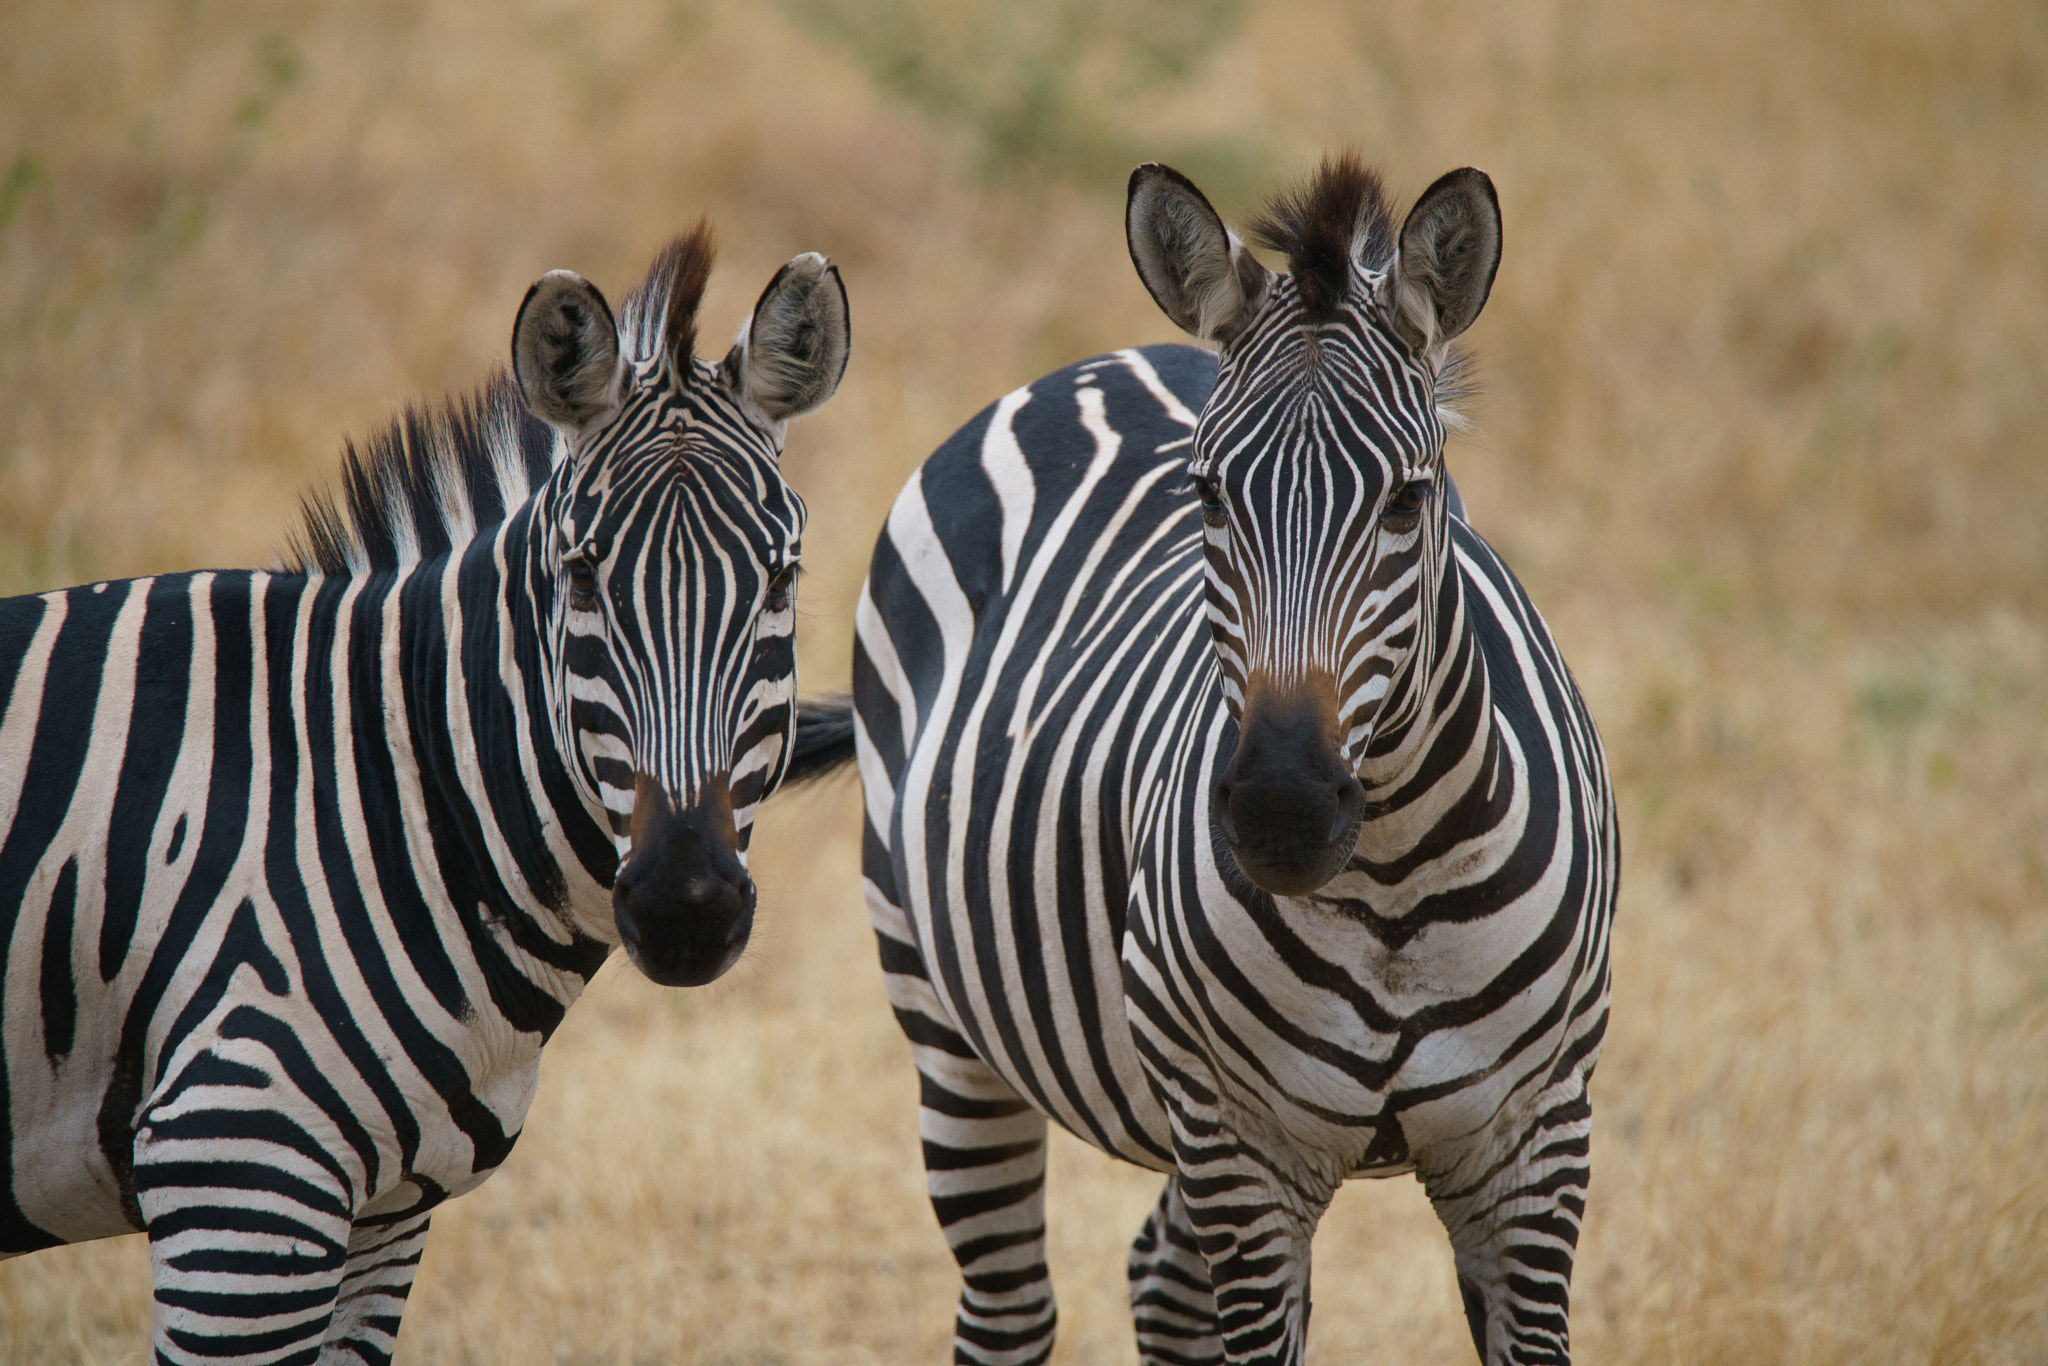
438	475
662	311
431	480
1337	217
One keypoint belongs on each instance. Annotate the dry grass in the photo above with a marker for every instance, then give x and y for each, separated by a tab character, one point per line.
1766	435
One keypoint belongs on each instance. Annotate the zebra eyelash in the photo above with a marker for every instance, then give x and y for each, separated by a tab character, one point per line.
1396	513
1201	482
782	584
579	564
582	583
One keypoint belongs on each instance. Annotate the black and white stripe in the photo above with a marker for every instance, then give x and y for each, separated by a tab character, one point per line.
1228	802
299	869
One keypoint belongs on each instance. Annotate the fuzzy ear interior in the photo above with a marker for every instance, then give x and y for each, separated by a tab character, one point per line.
1198	272
1450	249
565	352
793	352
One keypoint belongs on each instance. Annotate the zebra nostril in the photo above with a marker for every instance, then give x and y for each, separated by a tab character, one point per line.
1350	806
1222	806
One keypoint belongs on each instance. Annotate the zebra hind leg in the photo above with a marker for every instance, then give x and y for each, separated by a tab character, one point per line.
1173	1305
1514	1226
382	1261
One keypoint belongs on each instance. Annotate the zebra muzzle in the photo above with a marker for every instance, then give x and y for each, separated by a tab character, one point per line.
682	899
1286	804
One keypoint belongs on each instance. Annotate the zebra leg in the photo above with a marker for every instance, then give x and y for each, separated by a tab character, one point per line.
1253	1226
984	1155
248	1240
1514	1225
984	1163
1172	1303
382	1260
1258	1254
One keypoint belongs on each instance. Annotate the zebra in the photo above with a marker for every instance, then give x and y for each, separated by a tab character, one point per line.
1227	801
300	868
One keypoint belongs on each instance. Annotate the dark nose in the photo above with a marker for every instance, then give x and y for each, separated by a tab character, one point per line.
682	899
1287	805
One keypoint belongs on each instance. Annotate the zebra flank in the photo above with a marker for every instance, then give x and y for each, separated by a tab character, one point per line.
300	868
1228	802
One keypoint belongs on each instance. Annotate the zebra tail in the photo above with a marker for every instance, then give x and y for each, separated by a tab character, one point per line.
824	739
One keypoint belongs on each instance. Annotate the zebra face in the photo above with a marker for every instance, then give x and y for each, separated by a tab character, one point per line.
1318	462
1318	509
666	573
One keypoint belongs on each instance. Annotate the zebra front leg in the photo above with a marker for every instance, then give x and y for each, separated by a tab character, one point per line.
1254	1228
248	1238
984	1160
382	1261
1513	1218
1173	1306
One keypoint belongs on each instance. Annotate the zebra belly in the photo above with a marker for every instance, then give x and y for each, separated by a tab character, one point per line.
58	1044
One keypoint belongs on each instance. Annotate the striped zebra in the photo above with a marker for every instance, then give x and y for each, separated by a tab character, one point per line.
1228	802
299	869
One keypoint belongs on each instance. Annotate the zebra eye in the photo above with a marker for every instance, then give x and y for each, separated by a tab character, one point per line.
1210	496
582	580
1407	500
781	584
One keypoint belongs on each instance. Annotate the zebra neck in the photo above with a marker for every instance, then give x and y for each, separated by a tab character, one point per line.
510	838
1441	741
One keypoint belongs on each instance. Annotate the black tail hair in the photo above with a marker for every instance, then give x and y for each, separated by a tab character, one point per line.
824	739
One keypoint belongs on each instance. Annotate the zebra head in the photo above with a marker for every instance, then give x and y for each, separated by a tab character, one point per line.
662	565
1318	461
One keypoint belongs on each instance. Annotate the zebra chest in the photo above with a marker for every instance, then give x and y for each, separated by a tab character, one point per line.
1316	1033
1251	1028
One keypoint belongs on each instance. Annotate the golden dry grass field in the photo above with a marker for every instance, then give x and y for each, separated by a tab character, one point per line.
1765	430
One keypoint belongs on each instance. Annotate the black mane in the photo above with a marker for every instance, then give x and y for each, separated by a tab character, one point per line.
1339	216
429	481
438	475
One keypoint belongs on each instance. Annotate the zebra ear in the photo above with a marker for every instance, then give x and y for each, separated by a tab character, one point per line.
1198	272
1450	249
565	352
792	353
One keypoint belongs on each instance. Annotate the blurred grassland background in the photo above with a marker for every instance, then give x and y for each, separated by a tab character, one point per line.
1764	430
